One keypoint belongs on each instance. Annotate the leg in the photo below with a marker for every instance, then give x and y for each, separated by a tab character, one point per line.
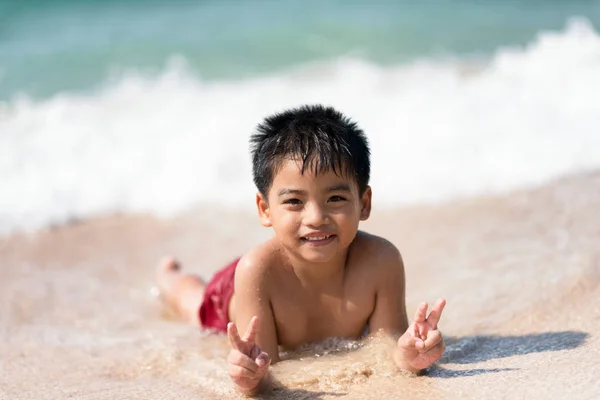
181	292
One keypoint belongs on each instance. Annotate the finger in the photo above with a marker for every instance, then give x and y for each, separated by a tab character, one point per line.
419	322
436	313
234	337
237	372
423	330
438	350
410	342
251	330
434	339
415	330
241	360
263	360
421	313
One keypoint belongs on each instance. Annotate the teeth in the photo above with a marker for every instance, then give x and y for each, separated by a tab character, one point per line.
315	238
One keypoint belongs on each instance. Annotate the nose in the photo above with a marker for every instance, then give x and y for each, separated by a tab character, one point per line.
315	215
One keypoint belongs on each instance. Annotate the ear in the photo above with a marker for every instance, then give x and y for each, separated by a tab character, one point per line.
264	213
365	204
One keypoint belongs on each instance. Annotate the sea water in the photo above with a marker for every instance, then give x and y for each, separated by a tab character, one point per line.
147	106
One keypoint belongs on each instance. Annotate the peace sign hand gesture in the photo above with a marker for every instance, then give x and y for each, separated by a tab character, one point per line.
422	343
248	364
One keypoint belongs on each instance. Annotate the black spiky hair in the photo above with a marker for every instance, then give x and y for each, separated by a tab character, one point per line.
320	137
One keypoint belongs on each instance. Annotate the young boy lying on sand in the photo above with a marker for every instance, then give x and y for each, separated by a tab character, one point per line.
318	276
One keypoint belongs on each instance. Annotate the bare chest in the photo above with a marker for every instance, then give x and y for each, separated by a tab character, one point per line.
302	317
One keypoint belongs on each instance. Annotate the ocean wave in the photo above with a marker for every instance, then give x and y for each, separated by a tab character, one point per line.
438	130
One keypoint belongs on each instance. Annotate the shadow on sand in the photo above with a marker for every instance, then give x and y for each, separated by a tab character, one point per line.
297	394
438	372
474	349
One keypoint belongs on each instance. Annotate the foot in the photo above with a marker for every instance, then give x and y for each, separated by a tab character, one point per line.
166	272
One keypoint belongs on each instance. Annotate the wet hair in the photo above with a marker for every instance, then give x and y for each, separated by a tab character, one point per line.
320	137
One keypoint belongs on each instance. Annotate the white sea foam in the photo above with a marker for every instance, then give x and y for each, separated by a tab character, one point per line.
164	143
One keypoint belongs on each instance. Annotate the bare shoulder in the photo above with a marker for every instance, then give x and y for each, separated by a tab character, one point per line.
376	254
254	267
373	248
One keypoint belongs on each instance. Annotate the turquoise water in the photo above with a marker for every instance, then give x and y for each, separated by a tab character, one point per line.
47	47
131	106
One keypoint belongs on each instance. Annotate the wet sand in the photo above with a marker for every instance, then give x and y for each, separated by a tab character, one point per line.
520	272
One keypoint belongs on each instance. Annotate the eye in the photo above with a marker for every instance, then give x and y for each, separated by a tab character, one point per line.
293	202
337	198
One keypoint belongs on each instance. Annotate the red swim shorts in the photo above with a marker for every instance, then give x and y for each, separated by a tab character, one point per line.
217	295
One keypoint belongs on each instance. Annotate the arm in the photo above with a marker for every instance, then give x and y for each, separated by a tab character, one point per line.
420	343
248	363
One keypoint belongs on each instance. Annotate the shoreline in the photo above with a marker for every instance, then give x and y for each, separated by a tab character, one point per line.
520	272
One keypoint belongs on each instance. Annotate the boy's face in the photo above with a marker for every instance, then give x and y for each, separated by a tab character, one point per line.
315	217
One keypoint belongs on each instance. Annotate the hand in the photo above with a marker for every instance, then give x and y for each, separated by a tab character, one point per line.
248	364
422	343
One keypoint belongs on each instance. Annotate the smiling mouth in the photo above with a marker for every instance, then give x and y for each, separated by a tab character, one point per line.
317	238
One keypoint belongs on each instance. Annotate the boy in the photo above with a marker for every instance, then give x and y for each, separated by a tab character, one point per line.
318	276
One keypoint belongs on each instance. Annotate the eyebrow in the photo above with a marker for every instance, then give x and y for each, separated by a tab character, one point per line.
342	187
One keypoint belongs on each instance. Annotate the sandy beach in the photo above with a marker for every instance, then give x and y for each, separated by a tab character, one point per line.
520	272
124	138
